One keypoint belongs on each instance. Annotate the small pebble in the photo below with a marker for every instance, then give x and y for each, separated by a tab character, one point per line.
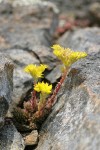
32	138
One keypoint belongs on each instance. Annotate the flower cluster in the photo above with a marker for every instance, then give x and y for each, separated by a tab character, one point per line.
67	56
40	103
42	87
35	71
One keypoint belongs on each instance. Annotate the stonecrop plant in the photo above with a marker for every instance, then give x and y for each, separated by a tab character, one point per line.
38	107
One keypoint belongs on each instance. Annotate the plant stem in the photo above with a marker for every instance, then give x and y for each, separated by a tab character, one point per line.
51	100
33	99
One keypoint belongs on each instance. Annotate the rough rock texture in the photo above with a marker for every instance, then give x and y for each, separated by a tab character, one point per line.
25	26
55	74
10	138
22	81
39	15
87	40
6	73
74	123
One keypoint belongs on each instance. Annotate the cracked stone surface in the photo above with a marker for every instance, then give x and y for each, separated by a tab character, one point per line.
11	139
75	119
6	86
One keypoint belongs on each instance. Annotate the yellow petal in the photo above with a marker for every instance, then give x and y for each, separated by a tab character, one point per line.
43	87
66	55
35	71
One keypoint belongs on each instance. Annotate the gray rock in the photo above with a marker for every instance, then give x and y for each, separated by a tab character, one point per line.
76	39
24	40
28	26
94	10
74	122
22	82
6	73
21	57
10	138
45	55
55	74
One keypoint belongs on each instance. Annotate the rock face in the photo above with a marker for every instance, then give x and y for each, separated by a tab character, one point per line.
84	40
75	119
11	139
6	73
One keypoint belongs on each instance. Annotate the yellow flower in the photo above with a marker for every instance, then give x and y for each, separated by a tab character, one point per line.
66	55
35	71
42	87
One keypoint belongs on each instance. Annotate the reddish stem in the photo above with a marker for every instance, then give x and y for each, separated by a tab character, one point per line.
33	99
51	100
